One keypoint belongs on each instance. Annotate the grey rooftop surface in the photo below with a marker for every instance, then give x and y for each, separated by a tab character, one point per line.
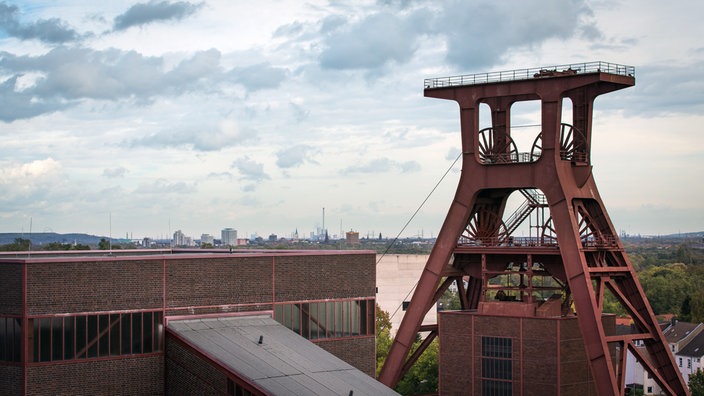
283	364
695	348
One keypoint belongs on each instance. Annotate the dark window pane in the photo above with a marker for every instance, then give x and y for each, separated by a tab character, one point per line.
296	318
148	332
92	336
363	317
57	338
305	320
126	331
80	337
114	334
330	318
69	336
16	339
5	339
137	332
104	334
279	313
45	339
34	325
314	318
287	316
158	330
346	313
354	317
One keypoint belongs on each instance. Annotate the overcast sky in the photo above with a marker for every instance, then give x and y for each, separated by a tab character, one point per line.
141	118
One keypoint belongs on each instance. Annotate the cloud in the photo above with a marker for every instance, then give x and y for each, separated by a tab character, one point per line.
145	13
250	170
196	137
23	104
382	165
162	186
294	156
66	76
51	30
40	183
116	172
259	76
372	42
482	33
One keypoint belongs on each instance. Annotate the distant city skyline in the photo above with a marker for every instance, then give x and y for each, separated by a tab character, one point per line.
142	118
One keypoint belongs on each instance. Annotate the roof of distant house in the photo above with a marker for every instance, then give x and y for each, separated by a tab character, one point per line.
695	348
679	331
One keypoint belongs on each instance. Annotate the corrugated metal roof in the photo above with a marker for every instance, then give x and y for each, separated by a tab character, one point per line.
283	364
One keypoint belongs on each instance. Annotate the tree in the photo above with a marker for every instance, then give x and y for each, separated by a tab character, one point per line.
104	244
383	337
686	309
696	383
666	287
422	378
697	307
20	245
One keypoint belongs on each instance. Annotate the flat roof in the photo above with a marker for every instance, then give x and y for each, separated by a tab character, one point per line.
284	363
161	254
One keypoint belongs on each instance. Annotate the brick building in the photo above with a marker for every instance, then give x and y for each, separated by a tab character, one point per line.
513	355
85	323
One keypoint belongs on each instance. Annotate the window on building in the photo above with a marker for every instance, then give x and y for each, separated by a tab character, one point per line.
680	362
93	336
689	363
10	336
650	390
497	366
328	319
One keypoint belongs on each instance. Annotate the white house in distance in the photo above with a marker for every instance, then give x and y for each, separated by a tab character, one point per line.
679	336
689	358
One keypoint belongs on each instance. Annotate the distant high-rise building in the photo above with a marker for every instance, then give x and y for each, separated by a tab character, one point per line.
229	236
352	237
179	239
207	238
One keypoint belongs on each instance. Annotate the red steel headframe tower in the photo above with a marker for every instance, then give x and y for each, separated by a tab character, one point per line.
575	242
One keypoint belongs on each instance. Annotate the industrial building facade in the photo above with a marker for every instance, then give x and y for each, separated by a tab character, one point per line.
81	324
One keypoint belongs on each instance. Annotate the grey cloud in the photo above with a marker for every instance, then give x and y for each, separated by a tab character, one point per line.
162	186
19	105
452	154
250	170
259	76
480	34
68	75
111	173
662	89
198	138
382	165
409	166
294	156
144	13
371	43
51	30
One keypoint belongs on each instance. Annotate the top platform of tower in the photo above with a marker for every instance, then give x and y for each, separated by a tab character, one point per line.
545	72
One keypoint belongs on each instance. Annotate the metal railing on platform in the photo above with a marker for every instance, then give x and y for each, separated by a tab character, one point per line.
526	74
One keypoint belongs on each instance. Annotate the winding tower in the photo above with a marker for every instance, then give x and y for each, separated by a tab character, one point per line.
572	256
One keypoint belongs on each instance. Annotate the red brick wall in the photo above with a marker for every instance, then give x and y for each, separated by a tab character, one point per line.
219	281
131	376
359	352
325	276
10	380
542	348
187	374
10	289
89	286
